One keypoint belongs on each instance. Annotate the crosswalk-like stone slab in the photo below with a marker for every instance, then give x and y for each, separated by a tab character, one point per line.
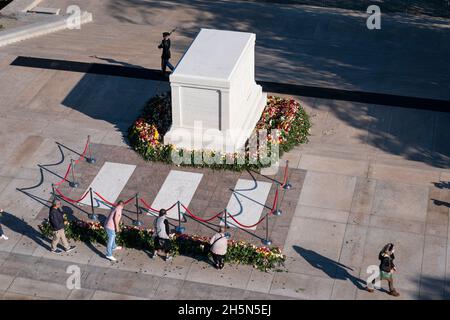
109	183
178	186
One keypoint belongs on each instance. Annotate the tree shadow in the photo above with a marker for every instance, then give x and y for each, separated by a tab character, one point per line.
20	226
331	268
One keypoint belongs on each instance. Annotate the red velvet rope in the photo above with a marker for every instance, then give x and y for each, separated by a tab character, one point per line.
65	176
200	219
153	209
71	200
243	225
113	204
83	155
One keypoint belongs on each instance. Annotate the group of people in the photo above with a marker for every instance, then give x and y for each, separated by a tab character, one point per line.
162	236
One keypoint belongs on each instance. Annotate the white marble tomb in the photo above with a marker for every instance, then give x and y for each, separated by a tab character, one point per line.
216	102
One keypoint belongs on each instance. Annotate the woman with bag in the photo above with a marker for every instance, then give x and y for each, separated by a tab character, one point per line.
219	245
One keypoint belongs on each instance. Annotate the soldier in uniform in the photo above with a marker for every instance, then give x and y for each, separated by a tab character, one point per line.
165	56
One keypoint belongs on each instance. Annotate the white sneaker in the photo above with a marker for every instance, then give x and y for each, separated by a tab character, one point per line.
111	258
4	237
117	248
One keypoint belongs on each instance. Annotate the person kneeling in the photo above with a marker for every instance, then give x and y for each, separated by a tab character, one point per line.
163	246
219	245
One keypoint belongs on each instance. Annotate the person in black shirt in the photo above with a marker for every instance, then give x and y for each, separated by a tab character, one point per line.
165	56
387	268
56	220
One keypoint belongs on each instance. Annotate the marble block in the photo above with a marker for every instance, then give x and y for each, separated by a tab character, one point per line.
216	102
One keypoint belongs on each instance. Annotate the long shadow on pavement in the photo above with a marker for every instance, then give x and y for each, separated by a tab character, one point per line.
331	268
20	226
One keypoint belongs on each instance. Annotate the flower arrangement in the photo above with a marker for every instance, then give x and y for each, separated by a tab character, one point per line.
284	115
239	252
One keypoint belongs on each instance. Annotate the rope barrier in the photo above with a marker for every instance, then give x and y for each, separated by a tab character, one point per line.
198	218
153	209
83	155
71	200
65	176
245	226
189	212
111	203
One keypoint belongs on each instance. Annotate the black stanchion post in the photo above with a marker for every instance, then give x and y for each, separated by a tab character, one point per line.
73	183
277	211
267	241
227	234
92	216
53	192
287	185
137	222
179	229
90	160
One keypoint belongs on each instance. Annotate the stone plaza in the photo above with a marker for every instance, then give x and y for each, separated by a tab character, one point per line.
375	170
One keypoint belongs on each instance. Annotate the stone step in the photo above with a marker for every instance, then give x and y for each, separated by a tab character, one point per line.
51	24
45	10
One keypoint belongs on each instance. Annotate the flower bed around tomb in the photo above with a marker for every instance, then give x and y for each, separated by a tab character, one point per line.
286	115
239	252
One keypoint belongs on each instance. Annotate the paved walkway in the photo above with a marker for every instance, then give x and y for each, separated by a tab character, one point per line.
306	46
373	173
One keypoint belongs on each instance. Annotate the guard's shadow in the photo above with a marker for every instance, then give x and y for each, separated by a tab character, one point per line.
21	227
333	269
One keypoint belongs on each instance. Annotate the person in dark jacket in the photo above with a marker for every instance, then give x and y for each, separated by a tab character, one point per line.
165	56
162	236
56	220
387	268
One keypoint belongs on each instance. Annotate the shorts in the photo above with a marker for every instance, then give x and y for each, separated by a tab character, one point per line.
163	244
385	275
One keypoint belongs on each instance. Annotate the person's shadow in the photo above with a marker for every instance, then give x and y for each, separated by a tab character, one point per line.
21	227
333	269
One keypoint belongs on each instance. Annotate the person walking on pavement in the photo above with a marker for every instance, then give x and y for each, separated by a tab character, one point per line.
162	242
219	245
387	268
2	234
56	220
165	56
112	225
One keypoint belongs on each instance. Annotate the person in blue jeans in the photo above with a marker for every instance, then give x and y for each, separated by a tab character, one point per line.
112	225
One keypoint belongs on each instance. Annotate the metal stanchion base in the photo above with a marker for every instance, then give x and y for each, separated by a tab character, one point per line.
93	217
287	186
180	230
137	223
74	185
91	160
278	212
227	235
267	242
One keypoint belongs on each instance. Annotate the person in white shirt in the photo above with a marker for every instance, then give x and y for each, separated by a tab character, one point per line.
219	245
